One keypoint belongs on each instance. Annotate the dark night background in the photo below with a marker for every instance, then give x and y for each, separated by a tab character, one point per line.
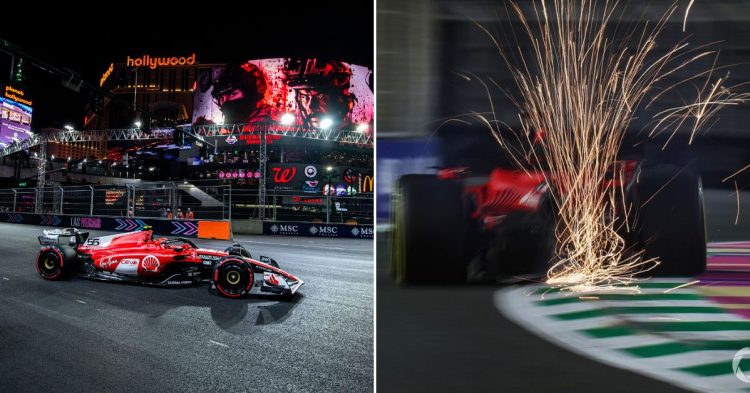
425	45
87	38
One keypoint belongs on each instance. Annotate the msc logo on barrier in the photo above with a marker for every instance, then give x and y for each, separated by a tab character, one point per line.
320	230
324	231
366	233
285	229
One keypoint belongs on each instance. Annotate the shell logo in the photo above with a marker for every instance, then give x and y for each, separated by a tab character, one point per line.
150	263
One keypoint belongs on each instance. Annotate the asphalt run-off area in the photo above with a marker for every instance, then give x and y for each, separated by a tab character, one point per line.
89	336
530	338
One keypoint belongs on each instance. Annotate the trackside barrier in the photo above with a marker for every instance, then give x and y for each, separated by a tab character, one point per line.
180	228
221	230
318	230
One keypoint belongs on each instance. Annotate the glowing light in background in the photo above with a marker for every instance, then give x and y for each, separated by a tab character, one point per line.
326	123
287	119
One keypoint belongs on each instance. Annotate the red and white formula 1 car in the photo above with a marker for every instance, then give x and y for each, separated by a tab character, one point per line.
461	227
138	257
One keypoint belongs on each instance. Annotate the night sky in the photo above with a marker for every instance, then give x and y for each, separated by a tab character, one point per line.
87	39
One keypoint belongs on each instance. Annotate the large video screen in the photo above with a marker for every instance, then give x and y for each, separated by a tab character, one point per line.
15	121
312	93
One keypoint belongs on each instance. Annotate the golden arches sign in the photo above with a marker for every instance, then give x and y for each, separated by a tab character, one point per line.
368	184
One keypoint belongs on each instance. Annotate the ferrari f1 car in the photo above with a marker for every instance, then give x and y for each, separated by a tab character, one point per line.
458	226
138	257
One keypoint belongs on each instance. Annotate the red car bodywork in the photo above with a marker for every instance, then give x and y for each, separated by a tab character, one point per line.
508	191
138	257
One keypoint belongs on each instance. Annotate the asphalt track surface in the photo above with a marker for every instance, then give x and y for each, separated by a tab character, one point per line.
453	339
89	336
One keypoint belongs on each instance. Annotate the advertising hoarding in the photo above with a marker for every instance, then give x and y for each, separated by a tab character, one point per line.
15	116
311	93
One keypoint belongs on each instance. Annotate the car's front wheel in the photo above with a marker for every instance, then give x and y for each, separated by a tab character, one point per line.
233	277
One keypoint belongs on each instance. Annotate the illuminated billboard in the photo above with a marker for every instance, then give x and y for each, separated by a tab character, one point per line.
312	93
314	179
15	116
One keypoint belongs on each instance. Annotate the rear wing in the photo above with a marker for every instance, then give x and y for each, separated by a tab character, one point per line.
67	237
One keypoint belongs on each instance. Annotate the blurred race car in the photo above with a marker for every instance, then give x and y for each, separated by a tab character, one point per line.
459	226
137	257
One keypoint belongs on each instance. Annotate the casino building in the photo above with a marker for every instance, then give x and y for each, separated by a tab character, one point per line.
164	85
305	93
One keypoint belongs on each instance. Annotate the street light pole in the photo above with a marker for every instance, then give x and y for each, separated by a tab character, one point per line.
135	87
328	196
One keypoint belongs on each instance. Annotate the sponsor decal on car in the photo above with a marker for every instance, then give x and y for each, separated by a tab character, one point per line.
179	282
207	259
106	262
129	261
271	279
150	263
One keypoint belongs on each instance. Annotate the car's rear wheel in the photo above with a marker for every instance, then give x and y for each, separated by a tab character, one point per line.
670	224
430	225
233	277
54	263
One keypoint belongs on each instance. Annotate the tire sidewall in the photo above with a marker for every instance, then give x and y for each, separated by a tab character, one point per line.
238	264
58	255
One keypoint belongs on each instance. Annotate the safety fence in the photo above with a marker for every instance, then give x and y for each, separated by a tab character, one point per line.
168	200
208	200
303	207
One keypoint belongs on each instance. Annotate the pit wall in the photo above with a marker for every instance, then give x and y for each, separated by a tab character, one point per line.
201	229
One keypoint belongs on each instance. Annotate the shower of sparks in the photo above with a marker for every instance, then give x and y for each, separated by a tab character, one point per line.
687	284
581	85
736	173
687	12
737	192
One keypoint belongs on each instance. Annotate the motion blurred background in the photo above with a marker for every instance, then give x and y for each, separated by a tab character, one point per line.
441	339
426	48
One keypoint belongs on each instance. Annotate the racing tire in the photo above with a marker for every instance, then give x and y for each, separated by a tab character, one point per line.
233	277
670	224
430	226
238	250
55	263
